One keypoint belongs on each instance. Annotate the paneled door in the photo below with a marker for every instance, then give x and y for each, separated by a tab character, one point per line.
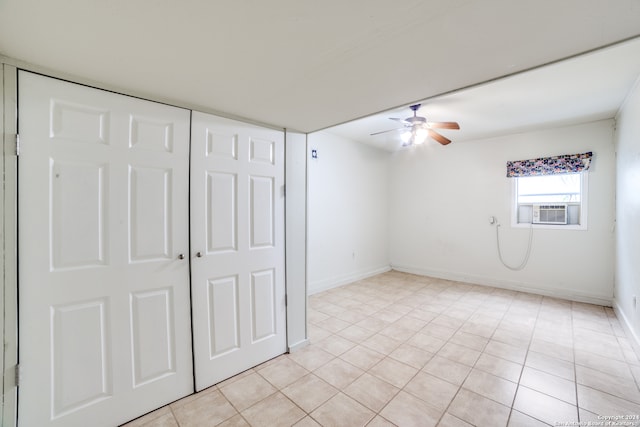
237	241
104	305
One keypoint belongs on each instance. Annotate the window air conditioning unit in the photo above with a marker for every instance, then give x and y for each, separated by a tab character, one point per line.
550	214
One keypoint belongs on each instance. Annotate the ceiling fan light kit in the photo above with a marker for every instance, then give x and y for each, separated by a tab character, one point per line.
418	129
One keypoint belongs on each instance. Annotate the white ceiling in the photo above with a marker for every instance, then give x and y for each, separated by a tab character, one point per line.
308	65
585	88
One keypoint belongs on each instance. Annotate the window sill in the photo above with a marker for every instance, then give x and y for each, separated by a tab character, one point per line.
578	227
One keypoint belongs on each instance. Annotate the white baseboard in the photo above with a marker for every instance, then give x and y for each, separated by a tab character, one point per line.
628	327
532	288
299	345
334	282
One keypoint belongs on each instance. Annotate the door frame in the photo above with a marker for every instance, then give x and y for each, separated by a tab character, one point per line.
8	249
295	223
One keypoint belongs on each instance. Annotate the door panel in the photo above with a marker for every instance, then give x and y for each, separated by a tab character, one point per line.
221	206
237	237
104	307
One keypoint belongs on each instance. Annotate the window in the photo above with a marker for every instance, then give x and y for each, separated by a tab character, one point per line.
551	200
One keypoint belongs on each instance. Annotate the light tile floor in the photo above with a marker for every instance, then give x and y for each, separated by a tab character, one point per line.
406	350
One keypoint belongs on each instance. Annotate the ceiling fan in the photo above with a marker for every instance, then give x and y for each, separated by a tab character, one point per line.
417	129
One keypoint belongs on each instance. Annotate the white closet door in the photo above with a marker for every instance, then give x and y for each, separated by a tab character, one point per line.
237	241
104	308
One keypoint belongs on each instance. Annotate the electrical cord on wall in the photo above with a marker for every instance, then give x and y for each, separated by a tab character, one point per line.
526	256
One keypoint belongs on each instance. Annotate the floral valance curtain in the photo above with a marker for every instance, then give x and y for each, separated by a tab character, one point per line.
568	163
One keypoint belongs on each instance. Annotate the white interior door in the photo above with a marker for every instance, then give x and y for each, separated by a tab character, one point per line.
237	241
104	308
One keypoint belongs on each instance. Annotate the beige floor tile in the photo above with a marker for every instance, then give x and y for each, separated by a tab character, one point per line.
426	342
162	417
400	308
330	309
247	391
447	370
507	336
586	417
371	391
341	410
629	353
351	316
471	341
407	410
448	321
624	388
382	343
395	373
554	336
333	324
235	421
309	392
283	372
372	323
491	386
339	373
211	407
433	390
378	421
411	355
412	323
307	422
602	326
478	410
603	364
544	407
506	351
366	309
388	315
398	332
438	331
499	367
276	409
335	344
316	333
452	346
362	357
355	333
518	419
459	353
549	384
602	403
562	352
311	357
449	420
485	331
315	316
558	367
424	315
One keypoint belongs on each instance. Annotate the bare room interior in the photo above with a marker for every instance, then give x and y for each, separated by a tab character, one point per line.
334	214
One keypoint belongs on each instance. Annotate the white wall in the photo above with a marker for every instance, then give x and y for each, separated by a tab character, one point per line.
627	268
296	228
347	211
441	199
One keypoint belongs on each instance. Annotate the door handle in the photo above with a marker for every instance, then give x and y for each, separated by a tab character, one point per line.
181	256
199	254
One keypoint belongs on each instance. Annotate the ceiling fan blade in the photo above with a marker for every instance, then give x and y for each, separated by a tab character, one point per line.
444	125
399	120
384	131
441	139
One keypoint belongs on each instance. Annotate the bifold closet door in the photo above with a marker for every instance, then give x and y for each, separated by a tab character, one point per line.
104	307
237	240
